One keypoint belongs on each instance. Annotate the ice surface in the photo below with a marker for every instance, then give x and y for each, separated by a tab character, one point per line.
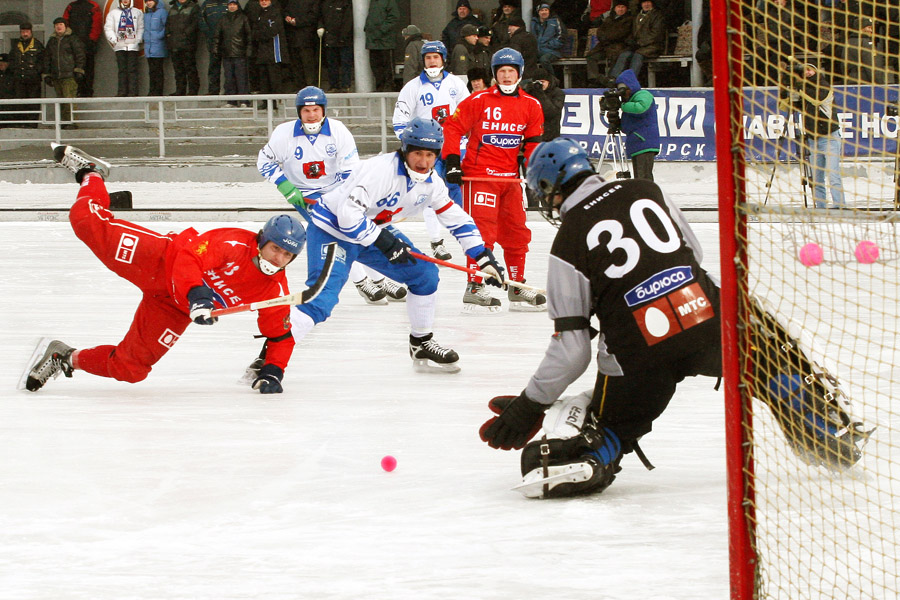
189	486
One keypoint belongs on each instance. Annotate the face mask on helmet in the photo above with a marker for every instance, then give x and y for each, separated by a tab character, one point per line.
509	89
413	174
313	128
284	231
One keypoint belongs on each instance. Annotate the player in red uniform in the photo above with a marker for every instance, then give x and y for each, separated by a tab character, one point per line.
183	277
500	122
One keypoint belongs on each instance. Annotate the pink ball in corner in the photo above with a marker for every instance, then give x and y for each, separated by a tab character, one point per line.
388	463
866	252
811	254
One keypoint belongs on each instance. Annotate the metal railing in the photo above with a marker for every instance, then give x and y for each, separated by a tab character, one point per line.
169	120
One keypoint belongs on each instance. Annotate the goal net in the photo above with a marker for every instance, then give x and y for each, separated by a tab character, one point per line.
806	98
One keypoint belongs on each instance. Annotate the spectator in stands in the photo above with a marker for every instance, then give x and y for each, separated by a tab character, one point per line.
481	57
865	56
182	29
124	29
777	26
570	13
509	10
464	52
85	19
337	19
26	64
525	43
233	41
462	16
478	80
613	32
381	41
810	92
301	18
64	66
648	40
639	124
549	32
6	90
155	17
270	50
596	10
704	45
412	61
545	87
210	15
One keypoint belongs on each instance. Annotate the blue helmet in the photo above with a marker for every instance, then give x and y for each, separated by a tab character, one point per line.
551	165
507	56
435	46
311	96
285	231
422	133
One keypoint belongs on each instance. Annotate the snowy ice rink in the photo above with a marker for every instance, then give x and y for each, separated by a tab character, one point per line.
189	486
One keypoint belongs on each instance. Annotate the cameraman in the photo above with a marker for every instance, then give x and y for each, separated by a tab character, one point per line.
638	124
545	87
809	91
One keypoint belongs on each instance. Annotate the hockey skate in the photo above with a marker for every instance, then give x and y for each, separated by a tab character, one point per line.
251	372
77	160
395	292
807	401
430	357
50	358
526	300
478	300
371	293
439	251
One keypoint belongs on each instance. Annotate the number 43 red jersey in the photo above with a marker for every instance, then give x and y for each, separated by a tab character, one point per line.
498	125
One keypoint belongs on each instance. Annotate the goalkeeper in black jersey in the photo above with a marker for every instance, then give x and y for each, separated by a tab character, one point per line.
625	254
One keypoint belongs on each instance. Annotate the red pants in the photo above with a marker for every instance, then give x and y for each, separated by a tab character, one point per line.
138	255
499	212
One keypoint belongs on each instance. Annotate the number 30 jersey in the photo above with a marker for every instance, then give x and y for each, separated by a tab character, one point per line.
625	253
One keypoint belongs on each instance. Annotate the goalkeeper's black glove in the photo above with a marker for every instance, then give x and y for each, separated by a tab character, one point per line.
518	422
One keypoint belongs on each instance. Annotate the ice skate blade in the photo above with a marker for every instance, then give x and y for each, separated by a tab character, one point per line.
390	298
423	365
478	309
382	302
526	307
36	356
533	483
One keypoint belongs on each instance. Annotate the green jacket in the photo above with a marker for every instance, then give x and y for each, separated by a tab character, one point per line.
64	56
383	16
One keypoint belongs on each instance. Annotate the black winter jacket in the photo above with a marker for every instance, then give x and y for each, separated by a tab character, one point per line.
26	60
183	26
337	19
64	56
232	38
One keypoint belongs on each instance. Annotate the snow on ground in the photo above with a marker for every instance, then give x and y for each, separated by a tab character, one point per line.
189	486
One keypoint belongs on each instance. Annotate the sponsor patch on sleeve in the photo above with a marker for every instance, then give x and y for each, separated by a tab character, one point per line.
673	313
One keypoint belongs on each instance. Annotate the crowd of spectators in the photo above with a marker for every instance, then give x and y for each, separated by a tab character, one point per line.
279	46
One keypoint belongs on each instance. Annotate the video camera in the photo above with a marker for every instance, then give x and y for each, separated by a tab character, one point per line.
610	103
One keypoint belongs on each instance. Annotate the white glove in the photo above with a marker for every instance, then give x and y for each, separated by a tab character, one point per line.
320	31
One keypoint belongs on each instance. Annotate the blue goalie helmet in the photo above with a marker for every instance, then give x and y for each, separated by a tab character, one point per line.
554	163
284	231
422	133
311	96
507	56
435	46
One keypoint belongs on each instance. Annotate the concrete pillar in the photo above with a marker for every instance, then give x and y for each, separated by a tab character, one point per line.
362	72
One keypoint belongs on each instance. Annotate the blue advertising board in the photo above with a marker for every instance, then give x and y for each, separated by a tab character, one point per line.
687	125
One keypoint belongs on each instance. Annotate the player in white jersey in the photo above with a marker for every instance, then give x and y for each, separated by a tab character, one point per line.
434	94
311	156
359	215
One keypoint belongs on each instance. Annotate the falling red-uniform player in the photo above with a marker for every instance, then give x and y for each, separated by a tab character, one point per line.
499	122
183	277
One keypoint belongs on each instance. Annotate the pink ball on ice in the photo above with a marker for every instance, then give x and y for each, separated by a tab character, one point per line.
811	254
866	252
389	463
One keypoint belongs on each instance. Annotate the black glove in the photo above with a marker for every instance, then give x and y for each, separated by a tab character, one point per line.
518	422
454	172
396	250
202	305
488	264
269	380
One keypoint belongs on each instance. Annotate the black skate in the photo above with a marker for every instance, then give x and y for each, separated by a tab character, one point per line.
371	293
526	300
439	250
430	357
50	358
478	300
78	161
393	291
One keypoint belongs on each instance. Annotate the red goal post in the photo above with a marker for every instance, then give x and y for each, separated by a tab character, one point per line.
830	277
